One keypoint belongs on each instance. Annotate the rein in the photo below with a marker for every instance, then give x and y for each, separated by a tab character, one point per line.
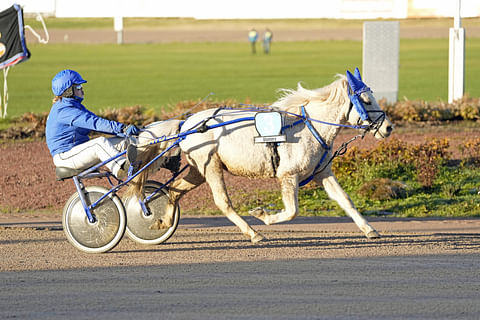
340	151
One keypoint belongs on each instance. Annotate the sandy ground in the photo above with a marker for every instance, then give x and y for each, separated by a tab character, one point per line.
235	35
164	36
28	244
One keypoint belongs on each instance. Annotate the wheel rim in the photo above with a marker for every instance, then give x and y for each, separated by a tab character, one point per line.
139	225
105	232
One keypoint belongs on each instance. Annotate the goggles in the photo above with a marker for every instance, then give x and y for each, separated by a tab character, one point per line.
78	86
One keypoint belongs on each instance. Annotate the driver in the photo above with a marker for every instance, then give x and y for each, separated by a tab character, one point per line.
69	124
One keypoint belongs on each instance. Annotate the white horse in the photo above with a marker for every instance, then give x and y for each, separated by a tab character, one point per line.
305	153
149	144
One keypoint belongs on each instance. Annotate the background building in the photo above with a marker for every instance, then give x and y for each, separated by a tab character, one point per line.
249	9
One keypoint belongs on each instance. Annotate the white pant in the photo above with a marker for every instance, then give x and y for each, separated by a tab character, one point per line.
92	152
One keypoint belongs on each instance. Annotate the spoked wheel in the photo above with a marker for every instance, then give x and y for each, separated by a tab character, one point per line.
139	225
102	235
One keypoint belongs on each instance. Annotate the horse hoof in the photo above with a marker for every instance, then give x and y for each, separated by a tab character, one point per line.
158	225
373	235
257	238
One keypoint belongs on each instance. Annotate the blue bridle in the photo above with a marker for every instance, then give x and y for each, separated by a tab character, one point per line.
355	90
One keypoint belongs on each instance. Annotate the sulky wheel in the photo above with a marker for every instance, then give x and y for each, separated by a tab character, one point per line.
102	235
139	226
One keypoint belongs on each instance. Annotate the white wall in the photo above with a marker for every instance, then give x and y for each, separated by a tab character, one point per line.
429	8
46	7
247	9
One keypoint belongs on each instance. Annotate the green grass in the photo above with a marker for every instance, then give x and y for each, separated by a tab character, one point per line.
160	75
433	202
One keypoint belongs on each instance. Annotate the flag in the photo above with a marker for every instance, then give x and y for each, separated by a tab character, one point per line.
13	48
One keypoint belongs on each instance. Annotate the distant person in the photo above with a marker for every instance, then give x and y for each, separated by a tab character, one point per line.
252	37
267	40
69	124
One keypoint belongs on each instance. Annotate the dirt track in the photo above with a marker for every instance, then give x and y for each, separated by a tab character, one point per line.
311	268
42	245
238	35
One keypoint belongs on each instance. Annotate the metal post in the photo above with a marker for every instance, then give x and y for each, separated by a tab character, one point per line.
456	59
118	27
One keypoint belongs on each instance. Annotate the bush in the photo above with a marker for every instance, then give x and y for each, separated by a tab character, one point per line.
395	157
471	152
383	189
30	125
410	111
428	157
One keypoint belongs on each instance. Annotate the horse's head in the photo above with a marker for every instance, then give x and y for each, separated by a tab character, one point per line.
364	109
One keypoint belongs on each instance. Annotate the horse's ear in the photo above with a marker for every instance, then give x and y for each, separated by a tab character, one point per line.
357	74
357	85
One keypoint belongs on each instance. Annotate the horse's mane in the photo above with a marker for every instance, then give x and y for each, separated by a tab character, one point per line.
291	100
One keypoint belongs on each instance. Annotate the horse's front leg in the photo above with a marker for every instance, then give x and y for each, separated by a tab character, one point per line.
289	185
214	177
336	192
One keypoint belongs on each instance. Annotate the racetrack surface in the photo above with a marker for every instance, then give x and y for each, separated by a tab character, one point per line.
236	35
41	244
406	287
310	268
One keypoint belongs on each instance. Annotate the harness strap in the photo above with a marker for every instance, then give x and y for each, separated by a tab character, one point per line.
289	126
203	126
312	129
304	182
324	145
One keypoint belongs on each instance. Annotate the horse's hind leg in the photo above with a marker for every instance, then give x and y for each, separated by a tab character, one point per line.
179	187
214	177
336	192
176	190
289	185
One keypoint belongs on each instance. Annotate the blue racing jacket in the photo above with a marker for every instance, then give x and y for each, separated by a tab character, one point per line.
69	124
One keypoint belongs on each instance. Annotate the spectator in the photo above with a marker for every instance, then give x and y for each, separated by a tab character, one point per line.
252	37
267	39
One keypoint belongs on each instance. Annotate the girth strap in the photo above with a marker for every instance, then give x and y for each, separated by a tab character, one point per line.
320	140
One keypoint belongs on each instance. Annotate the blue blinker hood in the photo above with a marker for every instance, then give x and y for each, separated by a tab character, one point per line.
358	87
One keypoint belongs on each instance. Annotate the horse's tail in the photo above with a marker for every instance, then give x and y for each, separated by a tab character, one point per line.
171	160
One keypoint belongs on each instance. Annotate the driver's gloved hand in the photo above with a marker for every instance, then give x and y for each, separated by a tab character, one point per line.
131	130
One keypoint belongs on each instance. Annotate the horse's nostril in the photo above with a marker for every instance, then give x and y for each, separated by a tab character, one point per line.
389	129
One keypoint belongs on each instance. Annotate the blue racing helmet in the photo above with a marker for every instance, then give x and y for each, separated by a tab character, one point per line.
64	80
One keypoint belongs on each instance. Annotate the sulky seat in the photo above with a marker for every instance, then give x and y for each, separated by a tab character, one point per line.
63	173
